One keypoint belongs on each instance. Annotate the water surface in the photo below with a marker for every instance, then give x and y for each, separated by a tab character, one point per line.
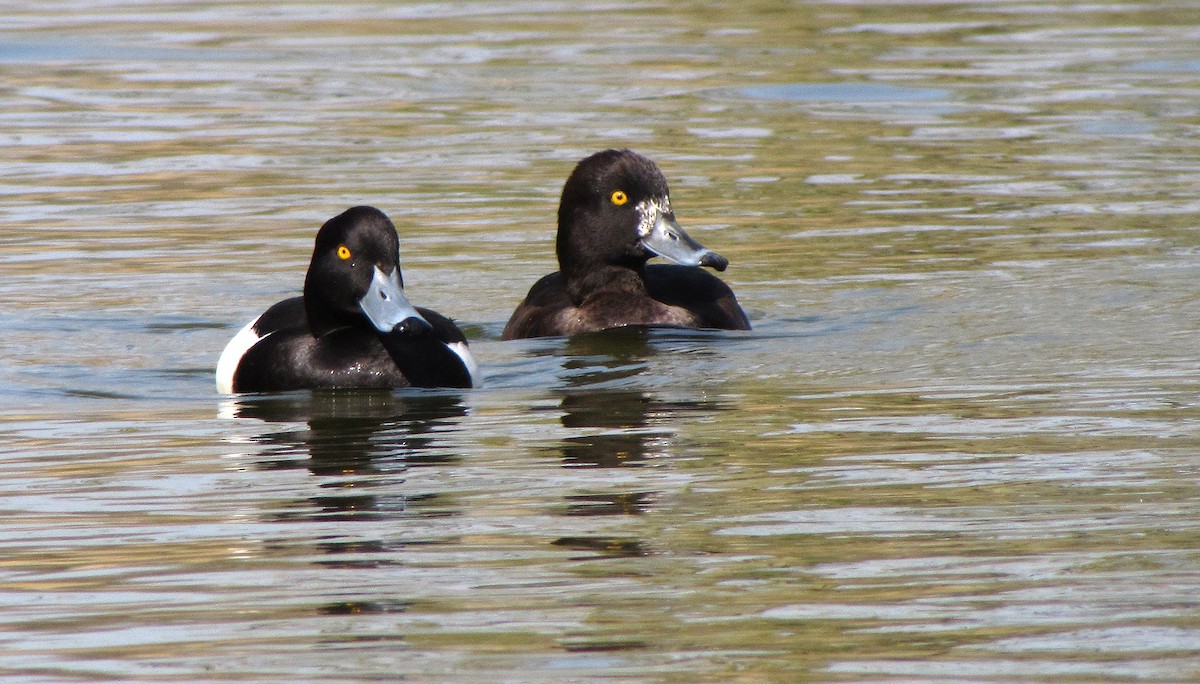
961	442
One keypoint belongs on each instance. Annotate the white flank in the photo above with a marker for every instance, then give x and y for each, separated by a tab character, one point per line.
232	356
464	353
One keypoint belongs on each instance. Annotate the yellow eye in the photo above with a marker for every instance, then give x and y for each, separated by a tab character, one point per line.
619	197
343	252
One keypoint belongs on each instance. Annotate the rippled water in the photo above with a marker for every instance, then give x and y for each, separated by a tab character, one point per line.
961	443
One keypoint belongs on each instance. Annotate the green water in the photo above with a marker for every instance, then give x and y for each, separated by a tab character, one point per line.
961	443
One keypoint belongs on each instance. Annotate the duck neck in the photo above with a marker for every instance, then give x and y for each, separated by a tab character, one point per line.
323	319
629	280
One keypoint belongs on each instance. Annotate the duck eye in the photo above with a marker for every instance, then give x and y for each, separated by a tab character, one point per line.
619	197
343	252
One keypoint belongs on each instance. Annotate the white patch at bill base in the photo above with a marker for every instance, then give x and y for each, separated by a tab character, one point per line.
650	210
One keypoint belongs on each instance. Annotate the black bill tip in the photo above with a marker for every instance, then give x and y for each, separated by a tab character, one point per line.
714	260
412	326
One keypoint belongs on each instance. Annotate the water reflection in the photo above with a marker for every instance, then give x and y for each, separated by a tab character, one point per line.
615	422
628	440
603	547
606	357
359	442
633	503
615	425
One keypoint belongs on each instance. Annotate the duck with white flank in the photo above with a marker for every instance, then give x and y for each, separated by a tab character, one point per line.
354	326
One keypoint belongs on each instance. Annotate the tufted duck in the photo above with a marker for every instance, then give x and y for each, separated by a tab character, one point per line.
614	215
353	328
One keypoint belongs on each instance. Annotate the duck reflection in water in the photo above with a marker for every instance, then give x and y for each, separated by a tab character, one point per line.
595	369
626	441
350	435
616	423
604	390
